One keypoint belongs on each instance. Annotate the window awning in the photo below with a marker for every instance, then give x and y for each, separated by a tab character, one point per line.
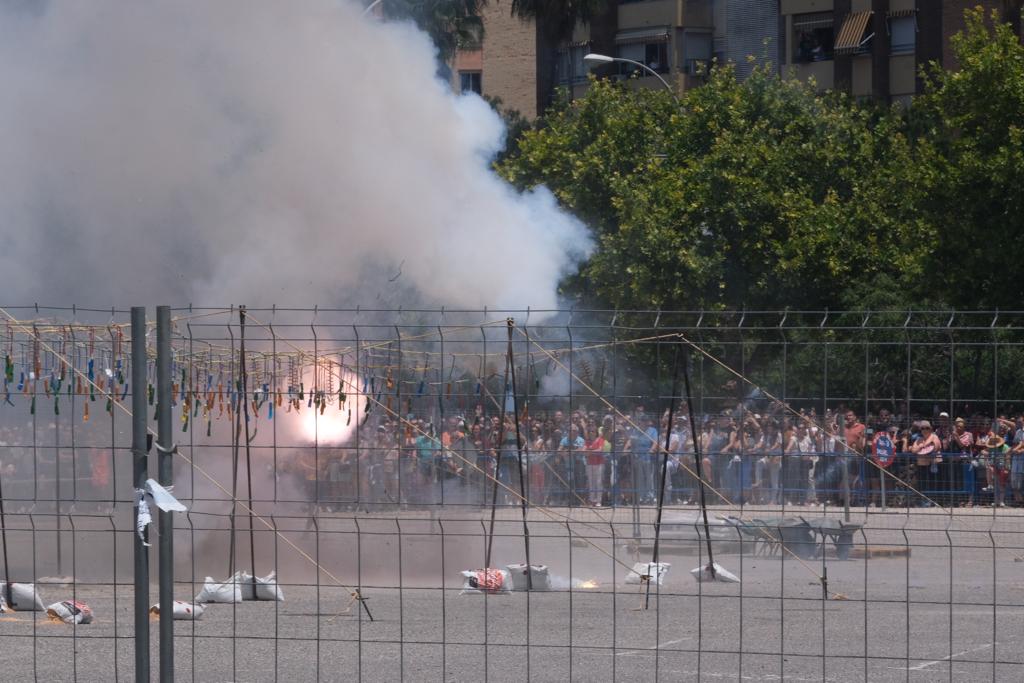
653	34
893	13
809	24
851	35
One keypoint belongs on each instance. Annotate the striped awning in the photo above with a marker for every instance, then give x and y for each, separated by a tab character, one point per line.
851	35
653	34
893	13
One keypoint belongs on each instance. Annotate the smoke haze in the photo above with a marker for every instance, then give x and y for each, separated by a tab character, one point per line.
254	152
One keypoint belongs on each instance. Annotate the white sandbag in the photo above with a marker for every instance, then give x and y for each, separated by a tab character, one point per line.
493	581
24	598
229	591
538	577
181	610
264	588
722	574
70	612
655	571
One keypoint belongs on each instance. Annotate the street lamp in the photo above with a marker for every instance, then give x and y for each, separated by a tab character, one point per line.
596	60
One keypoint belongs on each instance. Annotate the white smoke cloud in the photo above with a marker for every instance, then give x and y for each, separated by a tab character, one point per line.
254	152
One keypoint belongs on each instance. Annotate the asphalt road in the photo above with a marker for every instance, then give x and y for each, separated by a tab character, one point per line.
951	610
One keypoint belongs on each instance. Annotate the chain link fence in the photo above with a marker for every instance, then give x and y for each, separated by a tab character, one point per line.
861	473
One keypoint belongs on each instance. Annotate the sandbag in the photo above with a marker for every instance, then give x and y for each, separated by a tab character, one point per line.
721	574
656	572
538	577
24	598
70	612
493	581
229	591
181	610
265	588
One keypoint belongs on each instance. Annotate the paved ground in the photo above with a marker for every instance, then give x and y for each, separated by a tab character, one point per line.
929	616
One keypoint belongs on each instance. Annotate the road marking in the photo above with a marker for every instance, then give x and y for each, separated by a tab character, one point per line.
933	662
745	677
651	649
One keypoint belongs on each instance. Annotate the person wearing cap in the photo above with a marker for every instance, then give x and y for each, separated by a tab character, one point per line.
928	450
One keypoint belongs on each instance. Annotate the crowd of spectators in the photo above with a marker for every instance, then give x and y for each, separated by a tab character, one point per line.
586	457
603	458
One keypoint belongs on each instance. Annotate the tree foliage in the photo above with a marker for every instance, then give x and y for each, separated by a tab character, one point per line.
748	194
451	24
765	194
973	150
557	18
515	125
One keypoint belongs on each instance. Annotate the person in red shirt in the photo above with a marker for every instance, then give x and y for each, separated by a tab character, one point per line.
855	437
595	466
854	433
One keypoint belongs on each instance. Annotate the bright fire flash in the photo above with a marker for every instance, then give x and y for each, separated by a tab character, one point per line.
334	426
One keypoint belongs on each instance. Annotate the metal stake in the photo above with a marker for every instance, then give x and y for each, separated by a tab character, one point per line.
698	464
497	468
519	449
140	451
165	453
664	475
244	401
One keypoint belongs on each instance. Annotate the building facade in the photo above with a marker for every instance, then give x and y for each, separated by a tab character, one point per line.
675	38
867	48
505	65
870	48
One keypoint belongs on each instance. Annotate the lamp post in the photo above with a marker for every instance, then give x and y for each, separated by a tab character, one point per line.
596	59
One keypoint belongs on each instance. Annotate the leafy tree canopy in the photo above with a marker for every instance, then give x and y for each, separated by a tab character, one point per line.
765	194
451	24
759	194
972	147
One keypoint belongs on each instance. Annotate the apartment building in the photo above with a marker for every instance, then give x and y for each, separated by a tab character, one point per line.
505	66
675	38
869	48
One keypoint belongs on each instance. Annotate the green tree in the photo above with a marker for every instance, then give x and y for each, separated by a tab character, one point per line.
555	21
515	125
760	194
972	150
451	24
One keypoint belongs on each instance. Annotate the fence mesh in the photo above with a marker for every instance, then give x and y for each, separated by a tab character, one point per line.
862	472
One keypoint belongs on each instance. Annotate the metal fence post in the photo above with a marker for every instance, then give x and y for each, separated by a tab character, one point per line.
164	464
139	475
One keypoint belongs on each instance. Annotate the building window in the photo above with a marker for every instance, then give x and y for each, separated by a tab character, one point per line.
696	53
902	34
654	55
571	68
813	37
469	81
